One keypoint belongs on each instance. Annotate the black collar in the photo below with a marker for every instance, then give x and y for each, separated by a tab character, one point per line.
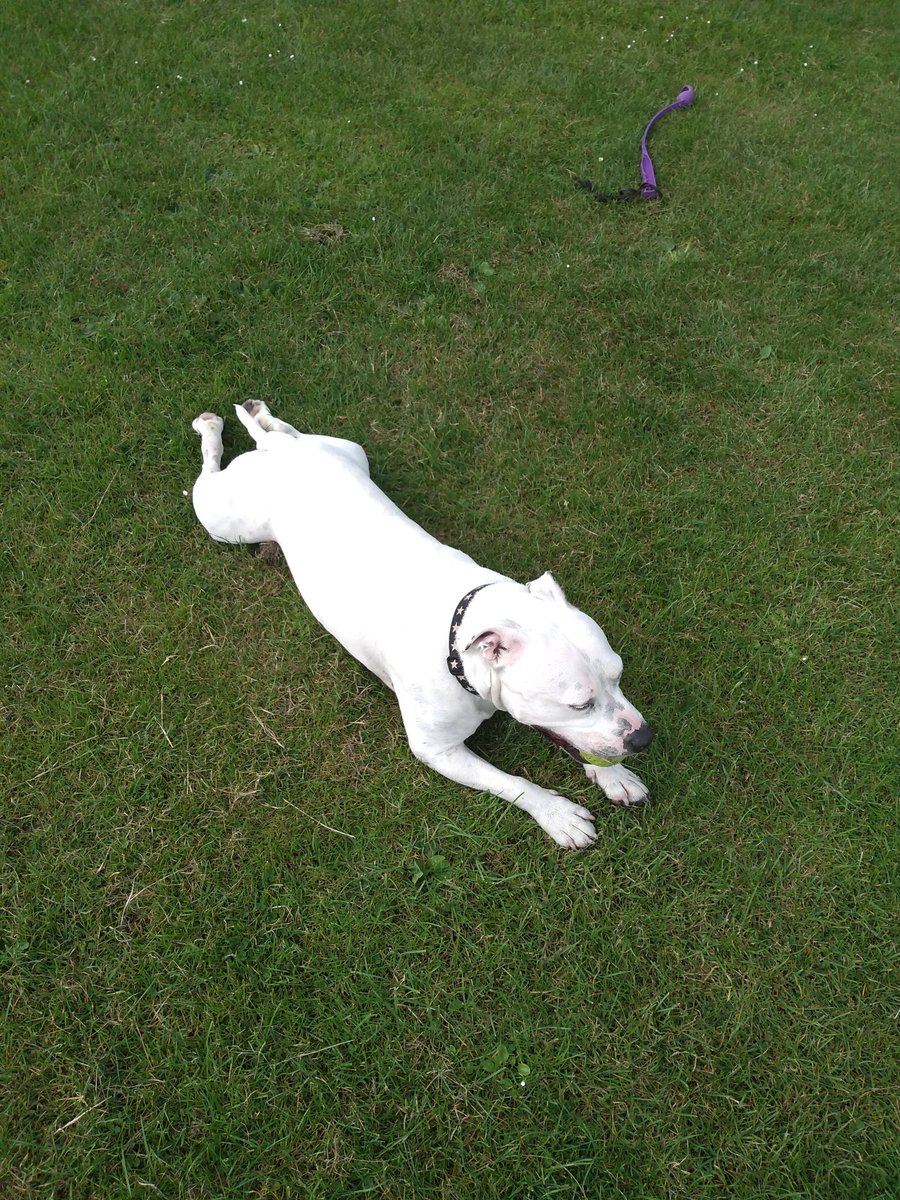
454	659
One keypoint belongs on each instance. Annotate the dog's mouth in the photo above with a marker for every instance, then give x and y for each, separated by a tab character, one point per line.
580	756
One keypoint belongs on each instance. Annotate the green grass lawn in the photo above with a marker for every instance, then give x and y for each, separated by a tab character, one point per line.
250	947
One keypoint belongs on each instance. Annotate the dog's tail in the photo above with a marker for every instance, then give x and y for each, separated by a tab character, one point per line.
254	415
255	430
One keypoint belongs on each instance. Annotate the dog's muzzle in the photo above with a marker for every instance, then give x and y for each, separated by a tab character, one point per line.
637	740
572	751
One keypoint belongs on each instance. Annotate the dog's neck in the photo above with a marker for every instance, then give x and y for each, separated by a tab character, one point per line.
457	643
476	612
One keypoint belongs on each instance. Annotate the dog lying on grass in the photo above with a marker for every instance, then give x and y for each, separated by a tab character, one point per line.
455	641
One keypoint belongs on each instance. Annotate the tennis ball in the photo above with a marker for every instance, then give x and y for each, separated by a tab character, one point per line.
596	761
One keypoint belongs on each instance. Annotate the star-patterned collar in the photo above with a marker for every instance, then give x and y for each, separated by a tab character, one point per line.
454	658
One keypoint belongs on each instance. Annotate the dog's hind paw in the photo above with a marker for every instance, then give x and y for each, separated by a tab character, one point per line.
206	421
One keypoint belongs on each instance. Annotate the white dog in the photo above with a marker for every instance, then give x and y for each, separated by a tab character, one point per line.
456	642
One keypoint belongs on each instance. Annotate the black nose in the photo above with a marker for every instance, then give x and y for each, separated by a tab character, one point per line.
638	739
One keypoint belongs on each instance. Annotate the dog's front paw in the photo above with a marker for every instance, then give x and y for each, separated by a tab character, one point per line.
570	825
621	785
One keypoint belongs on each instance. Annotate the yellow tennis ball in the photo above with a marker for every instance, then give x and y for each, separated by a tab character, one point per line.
596	761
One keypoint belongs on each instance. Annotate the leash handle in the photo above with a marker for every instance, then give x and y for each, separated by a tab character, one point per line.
649	190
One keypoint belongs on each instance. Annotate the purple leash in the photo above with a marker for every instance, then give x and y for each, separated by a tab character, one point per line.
648	189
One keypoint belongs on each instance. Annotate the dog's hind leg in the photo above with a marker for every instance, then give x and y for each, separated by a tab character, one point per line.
209	426
231	505
261	415
256	431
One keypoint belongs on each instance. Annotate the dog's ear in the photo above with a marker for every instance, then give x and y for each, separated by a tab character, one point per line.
500	647
546	588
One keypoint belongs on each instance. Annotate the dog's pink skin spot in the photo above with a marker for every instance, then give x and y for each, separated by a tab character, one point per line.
631	718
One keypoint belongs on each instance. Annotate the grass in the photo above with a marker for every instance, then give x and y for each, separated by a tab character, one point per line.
250	947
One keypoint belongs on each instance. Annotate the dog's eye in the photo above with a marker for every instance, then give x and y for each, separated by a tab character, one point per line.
588	704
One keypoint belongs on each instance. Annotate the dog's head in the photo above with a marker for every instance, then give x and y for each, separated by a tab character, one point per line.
552	667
